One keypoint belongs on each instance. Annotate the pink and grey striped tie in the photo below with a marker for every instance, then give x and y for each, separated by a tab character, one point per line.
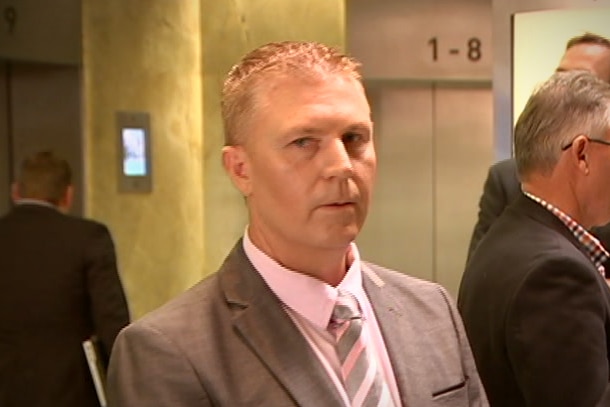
362	378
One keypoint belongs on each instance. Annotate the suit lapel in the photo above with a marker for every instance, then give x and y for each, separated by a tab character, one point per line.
402	339
267	329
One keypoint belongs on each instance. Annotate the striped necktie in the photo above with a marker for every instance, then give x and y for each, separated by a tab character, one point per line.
361	376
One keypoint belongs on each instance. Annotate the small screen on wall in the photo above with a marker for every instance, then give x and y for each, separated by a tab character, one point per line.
134	152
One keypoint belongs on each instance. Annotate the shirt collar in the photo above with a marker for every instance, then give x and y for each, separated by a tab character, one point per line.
30	201
311	298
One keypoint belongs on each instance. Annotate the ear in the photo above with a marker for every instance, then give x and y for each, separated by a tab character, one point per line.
580	147
68	199
15	194
236	163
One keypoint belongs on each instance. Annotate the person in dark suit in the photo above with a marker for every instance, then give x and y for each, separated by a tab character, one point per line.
60	286
589	52
534	302
266	329
501	187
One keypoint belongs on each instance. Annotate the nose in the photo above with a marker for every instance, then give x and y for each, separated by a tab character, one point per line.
336	161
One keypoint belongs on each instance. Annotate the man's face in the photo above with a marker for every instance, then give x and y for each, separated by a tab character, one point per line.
598	156
594	58
308	164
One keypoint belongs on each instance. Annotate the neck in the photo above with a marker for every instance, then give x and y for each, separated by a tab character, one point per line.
561	195
328	265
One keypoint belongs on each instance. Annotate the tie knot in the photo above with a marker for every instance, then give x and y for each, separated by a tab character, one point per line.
346	309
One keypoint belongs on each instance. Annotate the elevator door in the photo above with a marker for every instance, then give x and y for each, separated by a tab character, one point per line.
4	141
434	146
40	109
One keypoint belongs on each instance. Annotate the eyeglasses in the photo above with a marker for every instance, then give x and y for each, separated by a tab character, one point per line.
592	140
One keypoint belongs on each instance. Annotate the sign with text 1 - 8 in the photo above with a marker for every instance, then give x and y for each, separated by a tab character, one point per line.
438	40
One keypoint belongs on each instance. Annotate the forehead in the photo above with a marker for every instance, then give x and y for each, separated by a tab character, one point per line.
289	105
334	92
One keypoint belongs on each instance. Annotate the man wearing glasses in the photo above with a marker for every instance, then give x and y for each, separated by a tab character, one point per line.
533	298
589	52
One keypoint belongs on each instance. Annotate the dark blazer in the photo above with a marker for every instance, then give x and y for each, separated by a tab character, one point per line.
59	285
502	187
228	342
537	313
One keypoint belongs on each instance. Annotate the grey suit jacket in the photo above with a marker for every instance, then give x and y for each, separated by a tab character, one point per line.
228	342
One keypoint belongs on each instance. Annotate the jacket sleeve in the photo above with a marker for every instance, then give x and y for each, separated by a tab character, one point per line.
491	204
106	296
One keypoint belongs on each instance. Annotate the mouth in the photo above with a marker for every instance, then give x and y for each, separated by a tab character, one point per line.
339	204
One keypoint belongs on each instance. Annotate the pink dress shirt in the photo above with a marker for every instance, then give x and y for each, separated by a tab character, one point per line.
309	303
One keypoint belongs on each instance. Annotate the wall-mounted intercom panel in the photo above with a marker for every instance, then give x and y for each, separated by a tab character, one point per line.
135	159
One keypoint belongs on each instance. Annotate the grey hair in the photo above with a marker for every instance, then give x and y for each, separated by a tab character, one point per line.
566	105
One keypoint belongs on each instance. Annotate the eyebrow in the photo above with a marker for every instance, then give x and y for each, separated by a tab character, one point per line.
302	130
305	129
364	126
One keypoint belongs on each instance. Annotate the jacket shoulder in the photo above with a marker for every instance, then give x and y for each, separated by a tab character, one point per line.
411	286
507	165
179	313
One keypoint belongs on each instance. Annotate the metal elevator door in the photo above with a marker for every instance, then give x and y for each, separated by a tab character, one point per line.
40	109
5	166
434	147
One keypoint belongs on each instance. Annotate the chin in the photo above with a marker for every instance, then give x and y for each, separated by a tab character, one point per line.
341	239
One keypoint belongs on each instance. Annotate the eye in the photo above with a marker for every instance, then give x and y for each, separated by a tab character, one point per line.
353	137
303	142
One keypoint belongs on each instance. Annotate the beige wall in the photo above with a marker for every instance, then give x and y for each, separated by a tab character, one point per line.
168	57
144	55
